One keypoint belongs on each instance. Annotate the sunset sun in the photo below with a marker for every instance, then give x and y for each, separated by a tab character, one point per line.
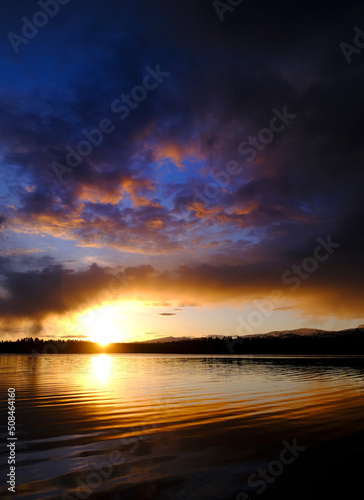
105	324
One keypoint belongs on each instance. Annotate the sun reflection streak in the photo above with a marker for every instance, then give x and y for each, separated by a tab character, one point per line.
101	366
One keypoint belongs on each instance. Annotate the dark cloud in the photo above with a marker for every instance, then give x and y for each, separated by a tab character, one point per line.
335	287
224	80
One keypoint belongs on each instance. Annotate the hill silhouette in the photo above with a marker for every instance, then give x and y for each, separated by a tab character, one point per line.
302	341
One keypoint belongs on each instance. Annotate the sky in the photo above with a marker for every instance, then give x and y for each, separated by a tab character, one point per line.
185	171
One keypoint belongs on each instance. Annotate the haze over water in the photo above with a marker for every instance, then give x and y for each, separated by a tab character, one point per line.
176	426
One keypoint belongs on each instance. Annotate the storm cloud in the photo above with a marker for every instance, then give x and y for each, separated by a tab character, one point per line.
196	196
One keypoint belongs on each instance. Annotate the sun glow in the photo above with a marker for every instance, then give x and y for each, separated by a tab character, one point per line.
105	324
116	321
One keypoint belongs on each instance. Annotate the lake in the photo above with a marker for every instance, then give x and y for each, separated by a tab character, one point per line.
150	426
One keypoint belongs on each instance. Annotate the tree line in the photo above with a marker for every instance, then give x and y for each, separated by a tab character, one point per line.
349	342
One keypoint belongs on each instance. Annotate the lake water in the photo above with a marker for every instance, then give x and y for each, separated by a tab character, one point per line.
183	427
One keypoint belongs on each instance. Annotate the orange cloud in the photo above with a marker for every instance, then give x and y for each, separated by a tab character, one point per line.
136	186
98	194
176	153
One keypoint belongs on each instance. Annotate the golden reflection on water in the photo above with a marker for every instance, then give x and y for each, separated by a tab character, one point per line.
101	367
177	392
187	410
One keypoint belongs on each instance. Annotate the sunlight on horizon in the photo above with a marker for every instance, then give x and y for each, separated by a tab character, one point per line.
105	325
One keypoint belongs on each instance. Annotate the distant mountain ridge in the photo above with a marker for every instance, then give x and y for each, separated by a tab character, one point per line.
176	339
165	339
275	333
297	331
